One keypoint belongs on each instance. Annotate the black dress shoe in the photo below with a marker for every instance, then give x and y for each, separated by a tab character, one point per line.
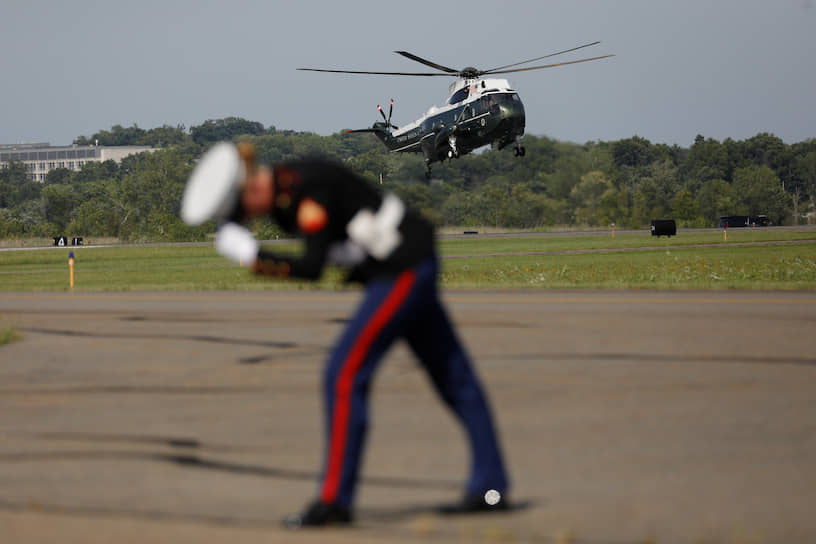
319	514
492	501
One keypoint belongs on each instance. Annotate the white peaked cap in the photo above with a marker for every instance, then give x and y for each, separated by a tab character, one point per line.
213	188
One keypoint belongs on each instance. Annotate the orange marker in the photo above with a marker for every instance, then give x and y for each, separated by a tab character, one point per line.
71	267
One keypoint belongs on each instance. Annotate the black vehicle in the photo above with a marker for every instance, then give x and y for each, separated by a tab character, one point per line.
734	221
664	227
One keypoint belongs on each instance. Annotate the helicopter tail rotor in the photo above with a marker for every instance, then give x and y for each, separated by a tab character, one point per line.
388	119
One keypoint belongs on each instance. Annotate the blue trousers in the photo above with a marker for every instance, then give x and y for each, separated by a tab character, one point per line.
405	307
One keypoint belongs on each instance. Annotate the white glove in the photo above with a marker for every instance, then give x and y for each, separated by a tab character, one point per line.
236	243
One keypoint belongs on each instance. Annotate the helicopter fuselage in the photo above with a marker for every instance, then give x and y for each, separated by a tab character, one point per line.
478	112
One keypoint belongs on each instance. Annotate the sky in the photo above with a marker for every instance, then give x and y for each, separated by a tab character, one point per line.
720	68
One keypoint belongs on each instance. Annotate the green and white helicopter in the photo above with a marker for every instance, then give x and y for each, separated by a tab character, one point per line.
479	111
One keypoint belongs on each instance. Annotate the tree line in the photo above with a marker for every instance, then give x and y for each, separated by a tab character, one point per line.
627	182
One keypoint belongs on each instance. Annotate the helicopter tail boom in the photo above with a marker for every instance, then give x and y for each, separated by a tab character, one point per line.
380	130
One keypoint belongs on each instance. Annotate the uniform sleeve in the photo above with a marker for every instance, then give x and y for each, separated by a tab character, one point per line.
317	240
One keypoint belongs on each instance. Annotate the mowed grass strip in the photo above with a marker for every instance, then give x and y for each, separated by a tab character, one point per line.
674	266
137	268
8	334
488	245
788	267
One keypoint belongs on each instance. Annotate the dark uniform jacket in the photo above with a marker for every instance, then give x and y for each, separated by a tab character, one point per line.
343	220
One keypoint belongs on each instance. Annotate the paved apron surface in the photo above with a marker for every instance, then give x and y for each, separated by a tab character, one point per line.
625	416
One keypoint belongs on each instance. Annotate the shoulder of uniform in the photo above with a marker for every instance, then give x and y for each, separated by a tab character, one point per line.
311	216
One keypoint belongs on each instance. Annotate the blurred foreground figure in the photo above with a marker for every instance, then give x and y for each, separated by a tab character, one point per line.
390	249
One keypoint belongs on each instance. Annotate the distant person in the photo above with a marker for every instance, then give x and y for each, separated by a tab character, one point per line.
388	248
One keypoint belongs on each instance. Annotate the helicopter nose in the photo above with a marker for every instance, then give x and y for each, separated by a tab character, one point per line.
514	111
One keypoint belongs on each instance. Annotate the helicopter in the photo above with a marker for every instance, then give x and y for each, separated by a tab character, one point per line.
479	111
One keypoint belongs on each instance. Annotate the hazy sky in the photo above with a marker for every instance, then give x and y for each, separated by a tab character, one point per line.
721	68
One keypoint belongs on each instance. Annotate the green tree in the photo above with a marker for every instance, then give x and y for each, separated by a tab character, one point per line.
31	215
707	159
767	150
92	218
370	164
629	181
58	202
760	192
117	135
684	207
58	176
15	187
716	198
566	175
640	214
661	182
806	171
530	210
10	224
587	197
417	196
216	130
609	207
165	136
95	171
634	152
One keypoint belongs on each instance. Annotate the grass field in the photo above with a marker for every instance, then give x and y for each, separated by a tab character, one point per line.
486	245
688	261
8	334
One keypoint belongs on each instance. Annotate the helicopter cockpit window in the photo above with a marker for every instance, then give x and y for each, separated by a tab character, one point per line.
505	97
487	102
458	96
484	104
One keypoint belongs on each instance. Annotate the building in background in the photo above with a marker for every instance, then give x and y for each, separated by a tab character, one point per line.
41	158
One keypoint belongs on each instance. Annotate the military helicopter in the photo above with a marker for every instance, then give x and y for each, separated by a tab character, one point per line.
479	111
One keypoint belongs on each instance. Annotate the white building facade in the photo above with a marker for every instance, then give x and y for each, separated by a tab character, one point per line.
41	158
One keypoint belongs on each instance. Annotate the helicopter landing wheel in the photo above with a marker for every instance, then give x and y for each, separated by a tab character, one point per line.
453	152
519	151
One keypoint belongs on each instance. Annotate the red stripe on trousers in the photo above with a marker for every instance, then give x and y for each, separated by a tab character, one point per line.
345	381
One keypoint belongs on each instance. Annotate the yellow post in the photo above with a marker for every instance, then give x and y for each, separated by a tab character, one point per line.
71	267
725	235
613	230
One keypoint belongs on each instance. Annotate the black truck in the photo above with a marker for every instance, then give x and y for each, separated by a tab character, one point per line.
735	221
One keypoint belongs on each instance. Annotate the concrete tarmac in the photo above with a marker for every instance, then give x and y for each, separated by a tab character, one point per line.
627	416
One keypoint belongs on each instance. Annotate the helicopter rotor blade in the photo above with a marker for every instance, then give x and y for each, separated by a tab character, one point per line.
390	111
539	58
469	72
426	62
550	65
383	115
375	73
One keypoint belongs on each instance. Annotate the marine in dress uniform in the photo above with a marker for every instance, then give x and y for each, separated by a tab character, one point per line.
390	249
